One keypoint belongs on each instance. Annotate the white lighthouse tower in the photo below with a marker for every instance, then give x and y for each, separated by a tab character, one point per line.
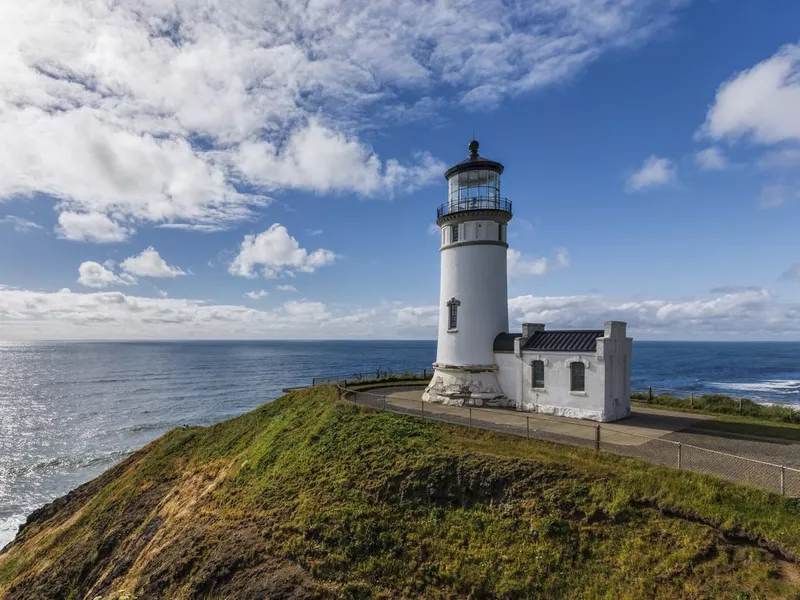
473	302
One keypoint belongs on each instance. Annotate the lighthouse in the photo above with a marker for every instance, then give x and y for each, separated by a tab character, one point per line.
473	292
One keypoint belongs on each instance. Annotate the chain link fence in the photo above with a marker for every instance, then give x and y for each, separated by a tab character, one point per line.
771	477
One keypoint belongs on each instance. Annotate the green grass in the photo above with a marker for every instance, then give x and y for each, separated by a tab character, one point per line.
312	494
719	404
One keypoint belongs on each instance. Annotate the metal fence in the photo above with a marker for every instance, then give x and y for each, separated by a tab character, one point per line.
376	375
772	477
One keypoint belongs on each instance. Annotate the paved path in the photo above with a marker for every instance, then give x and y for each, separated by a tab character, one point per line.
644	425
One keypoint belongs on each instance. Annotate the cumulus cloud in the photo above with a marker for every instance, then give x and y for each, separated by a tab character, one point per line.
149	264
90	227
274	252
95	275
711	159
19	224
189	114
730	313
655	172
286	288
759	103
520	265
257	294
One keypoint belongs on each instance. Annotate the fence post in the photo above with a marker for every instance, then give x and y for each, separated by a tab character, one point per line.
470	416
650	393
740	405
597	437
422	407
424	373
527	427
680	455
783	480
691	400
384	403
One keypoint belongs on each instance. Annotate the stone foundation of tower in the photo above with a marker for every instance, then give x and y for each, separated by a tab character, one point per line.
465	386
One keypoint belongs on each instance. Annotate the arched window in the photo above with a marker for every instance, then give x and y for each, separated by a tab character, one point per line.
577	377
452	310
537	374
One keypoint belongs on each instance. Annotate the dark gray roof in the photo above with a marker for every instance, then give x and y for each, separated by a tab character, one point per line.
574	340
504	342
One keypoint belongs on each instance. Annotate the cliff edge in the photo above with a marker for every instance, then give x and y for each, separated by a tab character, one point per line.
310	497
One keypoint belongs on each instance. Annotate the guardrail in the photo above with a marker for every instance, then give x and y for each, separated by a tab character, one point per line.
474	203
779	479
376	375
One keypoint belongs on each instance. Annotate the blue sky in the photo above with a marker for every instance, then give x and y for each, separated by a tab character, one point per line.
149	182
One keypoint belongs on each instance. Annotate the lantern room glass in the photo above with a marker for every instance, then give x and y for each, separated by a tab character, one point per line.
481	186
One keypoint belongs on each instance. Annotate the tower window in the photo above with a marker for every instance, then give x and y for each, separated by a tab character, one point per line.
452	312
454	230
501	232
577	377
537	368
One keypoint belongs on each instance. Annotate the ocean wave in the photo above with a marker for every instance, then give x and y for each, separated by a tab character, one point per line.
67	463
773	386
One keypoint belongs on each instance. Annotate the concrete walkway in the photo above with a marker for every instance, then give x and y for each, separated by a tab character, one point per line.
643	426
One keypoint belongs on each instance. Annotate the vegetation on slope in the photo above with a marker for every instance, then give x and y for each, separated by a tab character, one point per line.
720	404
311	497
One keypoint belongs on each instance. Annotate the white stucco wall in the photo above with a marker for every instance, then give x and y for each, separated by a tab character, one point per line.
508	375
475	275
556	398
607	375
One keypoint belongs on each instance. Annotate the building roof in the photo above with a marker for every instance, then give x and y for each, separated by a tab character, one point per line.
571	340
504	342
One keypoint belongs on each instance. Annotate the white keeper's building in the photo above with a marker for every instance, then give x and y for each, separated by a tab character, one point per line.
572	373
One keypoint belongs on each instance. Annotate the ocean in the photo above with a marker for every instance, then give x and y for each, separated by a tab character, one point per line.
70	410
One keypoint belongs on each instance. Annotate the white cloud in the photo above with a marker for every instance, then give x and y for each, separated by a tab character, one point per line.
773	196
730	313
784	158
163	111
19	224
90	227
519	265
257	294
149	264
277	253
286	288
95	275
655	172
759	103
711	159
315	232
434	229
792	273
417	316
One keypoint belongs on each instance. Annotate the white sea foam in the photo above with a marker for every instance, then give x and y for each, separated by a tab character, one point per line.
9	527
780	386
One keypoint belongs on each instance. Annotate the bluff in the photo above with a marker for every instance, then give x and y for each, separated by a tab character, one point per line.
311	497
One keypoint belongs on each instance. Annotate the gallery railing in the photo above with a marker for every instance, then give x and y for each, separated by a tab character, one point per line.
474	203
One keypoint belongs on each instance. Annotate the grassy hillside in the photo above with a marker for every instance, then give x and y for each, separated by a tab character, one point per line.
310	497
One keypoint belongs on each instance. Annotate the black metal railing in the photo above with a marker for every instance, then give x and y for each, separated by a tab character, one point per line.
474	203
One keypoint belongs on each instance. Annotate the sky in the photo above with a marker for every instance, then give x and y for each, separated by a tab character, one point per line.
271	170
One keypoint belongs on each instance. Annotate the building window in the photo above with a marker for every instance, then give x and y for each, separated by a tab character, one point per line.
537	367
452	311
577	377
454	236
501	232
